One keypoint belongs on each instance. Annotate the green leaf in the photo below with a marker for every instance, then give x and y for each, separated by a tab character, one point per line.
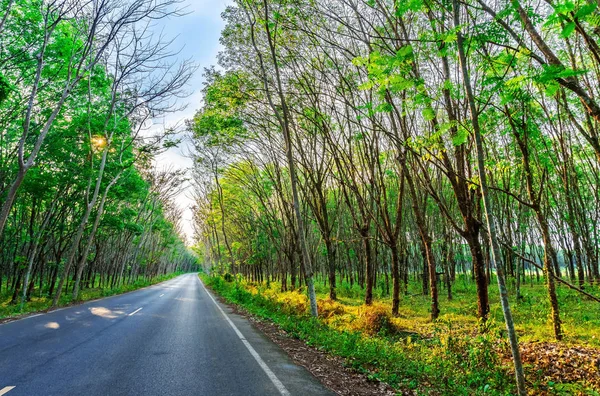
5	88
384	108
360	61
405	51
566	73
568	29
428	114
399	83
460	138
586	10
506	97
446	126
564	8
450	38
366	86
552	88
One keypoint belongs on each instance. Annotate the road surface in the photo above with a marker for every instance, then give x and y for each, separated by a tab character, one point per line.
167	339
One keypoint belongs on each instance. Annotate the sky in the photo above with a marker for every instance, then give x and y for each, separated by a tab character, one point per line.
197	35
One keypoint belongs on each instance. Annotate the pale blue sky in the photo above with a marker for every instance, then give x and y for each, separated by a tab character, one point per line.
198	35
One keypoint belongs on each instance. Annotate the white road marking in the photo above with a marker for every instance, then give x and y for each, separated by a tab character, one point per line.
133	313
6	389
278	384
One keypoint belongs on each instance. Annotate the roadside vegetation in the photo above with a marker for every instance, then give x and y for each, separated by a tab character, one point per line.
450	356
40	300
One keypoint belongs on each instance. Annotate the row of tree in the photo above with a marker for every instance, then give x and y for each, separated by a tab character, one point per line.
81	206
383	140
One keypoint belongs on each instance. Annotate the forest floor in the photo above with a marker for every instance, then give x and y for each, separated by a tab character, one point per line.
41	301
454	354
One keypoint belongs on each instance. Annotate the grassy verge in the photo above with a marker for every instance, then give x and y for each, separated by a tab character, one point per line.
579	315
446	359
43	302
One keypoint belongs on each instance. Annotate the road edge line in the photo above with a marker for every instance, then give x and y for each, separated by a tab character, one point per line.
278	384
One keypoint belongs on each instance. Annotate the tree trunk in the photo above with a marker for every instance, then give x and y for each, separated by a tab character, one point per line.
489	213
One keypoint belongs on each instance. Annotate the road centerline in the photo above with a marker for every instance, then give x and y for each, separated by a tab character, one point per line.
134	312
6	389
276	382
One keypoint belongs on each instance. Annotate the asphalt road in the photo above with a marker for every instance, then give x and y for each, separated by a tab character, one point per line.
167	339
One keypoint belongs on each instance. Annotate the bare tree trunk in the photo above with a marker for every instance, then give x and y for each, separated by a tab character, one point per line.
284	121
90	240
34	250
489	213
368	267
428	257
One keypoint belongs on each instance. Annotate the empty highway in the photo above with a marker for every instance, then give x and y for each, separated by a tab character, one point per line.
168	339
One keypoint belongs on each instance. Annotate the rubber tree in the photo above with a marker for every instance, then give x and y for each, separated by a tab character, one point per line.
282	113
487	202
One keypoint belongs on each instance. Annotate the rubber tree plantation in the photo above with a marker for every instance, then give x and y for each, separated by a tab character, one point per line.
421	175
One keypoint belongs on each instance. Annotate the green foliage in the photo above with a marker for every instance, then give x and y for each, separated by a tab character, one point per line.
224	97
89	189
5	88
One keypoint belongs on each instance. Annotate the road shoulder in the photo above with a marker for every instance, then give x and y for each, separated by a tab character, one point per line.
329	370
296	378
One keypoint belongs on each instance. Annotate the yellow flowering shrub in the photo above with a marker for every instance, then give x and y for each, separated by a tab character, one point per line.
329	308
374	319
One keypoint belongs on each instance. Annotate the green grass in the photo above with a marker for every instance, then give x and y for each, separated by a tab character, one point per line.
579	314
43	302
448	357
